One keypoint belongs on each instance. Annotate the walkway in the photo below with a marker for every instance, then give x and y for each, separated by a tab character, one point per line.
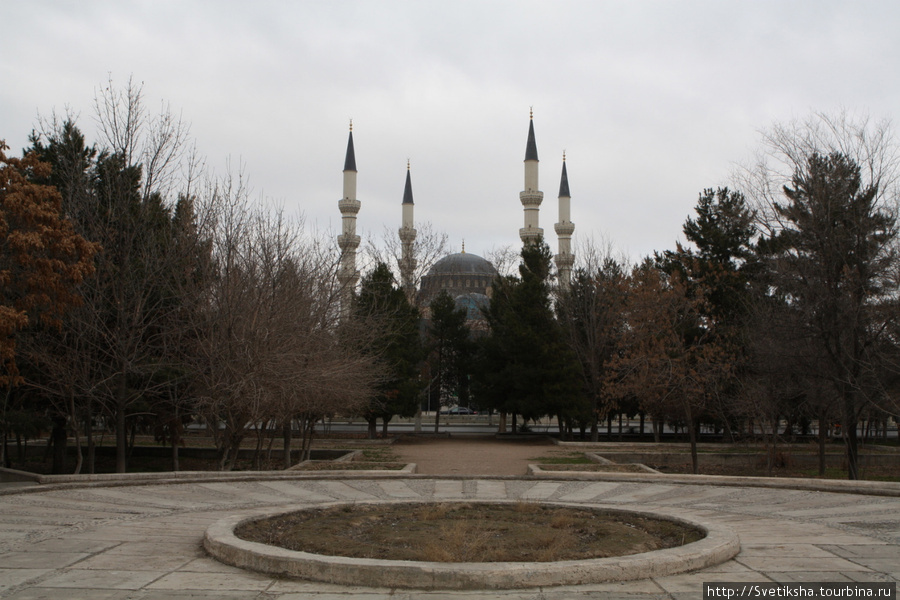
142	542
462	454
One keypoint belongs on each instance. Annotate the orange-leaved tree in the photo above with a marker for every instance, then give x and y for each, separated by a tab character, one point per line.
42	259
668	360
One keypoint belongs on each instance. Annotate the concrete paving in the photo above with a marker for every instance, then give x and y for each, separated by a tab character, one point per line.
143	541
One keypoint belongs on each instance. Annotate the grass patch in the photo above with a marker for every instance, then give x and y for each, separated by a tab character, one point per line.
593	467
571	458
379	454
328	465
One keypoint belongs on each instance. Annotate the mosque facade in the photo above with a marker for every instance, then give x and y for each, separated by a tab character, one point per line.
467	277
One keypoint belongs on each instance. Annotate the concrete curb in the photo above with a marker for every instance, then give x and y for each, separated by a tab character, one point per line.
48	482
842	486
719	545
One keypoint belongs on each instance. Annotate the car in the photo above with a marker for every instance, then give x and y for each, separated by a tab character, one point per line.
462	410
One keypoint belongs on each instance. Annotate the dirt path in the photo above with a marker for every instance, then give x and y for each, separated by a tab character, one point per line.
471	455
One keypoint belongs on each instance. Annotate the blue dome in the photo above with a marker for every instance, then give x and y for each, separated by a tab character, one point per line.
473	303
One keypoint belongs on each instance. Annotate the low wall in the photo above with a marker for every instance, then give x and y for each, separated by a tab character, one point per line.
165	452
667	459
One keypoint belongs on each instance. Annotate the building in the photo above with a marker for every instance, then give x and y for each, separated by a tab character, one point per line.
466	277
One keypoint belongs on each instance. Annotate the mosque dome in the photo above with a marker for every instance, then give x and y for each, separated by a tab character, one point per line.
462	263
459	274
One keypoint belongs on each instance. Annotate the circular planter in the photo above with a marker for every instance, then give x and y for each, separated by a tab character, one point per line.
719	545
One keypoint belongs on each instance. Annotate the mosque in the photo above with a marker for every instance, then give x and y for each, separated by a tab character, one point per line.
466	277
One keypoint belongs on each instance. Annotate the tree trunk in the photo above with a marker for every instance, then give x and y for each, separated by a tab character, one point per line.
823	435
308	430
772	450
437	418
595	429
642	416
286	435
373	424
384	426
121	433
176	439
131	437
91	453
77	429
850	438
233	454
4	451
4	433
257	452
692	434
60	438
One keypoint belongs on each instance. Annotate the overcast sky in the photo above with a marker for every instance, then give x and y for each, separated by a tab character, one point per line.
652	101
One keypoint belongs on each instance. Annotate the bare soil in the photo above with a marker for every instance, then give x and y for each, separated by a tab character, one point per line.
467	532
472	455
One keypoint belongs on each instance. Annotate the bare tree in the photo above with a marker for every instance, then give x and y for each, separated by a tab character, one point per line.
505	259
429	247
667	360
122	196
268	348
159	144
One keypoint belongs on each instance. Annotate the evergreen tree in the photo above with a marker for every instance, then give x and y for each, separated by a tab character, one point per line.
397	345
720	272
450	351
833	260
525	366
116	346
593	314
725	259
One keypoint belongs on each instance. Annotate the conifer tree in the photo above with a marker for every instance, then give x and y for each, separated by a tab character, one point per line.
397	345
834	259
525	367
450	351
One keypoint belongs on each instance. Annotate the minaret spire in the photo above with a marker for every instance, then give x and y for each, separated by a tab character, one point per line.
407	262
564	228
348	241
531	197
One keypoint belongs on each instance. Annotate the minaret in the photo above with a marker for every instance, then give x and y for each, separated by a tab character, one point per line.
531	197
407	233
348	240
565	259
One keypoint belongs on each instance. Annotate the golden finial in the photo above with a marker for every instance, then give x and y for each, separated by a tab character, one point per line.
351	125
564	156
464	246
531	112
407	164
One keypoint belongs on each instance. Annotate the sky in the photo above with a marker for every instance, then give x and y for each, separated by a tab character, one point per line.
652	101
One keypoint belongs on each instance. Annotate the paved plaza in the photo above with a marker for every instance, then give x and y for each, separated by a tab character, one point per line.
143	542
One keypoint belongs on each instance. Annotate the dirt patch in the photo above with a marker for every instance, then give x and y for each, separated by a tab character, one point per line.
468	532
471	455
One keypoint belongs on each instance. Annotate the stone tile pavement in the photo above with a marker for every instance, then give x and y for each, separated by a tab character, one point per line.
143	542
